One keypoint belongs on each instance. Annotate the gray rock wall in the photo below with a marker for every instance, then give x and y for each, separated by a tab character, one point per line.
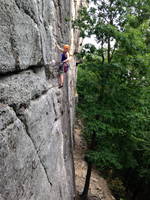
36	117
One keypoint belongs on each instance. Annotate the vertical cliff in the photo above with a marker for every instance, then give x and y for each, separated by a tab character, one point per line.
36	117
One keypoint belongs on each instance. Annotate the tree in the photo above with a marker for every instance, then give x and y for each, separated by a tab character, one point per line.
84	194
113	86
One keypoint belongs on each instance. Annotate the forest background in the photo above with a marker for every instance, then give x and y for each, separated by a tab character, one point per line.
114	92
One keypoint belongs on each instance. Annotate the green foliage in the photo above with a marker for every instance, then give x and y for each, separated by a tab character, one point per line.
107	92
114	86
117	187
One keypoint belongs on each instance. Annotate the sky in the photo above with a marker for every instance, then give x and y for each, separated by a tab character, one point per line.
90	40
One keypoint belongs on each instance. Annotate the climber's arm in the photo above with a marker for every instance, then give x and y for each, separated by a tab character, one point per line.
60	49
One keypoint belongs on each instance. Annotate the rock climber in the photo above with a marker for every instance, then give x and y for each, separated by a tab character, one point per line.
63	68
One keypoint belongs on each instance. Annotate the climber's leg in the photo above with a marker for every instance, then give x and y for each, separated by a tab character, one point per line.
61	76
61	80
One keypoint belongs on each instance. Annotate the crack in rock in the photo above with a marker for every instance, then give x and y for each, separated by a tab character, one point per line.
37	150
26	11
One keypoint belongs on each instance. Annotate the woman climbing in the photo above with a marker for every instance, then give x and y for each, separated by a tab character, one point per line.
63	68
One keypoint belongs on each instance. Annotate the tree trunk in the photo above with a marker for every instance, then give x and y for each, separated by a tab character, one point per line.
102	47
84	195
108	51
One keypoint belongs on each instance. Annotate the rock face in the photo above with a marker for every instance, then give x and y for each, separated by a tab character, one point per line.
36	117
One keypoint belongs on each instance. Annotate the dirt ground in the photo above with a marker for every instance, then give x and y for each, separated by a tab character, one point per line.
98	186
